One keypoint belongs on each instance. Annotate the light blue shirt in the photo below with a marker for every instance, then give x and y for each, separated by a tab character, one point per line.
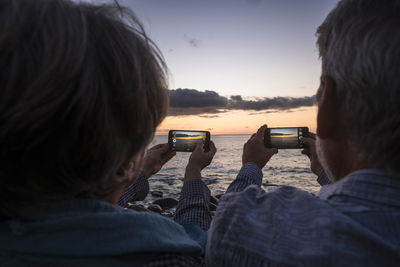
355	221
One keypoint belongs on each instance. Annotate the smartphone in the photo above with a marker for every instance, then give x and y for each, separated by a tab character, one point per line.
285	137
186	141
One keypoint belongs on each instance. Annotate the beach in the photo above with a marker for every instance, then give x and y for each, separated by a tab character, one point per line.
287	168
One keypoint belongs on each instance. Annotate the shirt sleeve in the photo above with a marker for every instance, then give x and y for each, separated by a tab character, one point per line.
323	179
136	191
249	174
193	205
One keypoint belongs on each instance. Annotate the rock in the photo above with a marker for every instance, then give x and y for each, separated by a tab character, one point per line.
210	181
214	200
167	214
166	203
137	207
155	208
212	206
219	196
157	193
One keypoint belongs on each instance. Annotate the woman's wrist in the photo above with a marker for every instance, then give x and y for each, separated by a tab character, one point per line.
192	173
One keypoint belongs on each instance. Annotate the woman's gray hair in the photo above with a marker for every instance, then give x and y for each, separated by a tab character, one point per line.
359	44
82	89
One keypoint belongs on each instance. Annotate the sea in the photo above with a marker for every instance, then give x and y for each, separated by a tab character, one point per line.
287	168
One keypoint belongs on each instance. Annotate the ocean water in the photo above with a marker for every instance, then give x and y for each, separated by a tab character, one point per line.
288	167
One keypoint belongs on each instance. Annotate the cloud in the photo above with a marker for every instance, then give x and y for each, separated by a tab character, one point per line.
236	98
194	111
192	41
266	112
194	102
209	116
280	103
275	111
191	98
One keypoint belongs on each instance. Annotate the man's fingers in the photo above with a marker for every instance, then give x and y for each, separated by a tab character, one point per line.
199	147
312	135
261	131
308	141
213	149
306	152
271	152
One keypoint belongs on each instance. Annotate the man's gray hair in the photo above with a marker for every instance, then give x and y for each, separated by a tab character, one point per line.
359	44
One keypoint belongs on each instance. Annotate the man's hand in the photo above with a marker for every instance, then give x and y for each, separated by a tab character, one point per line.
198	161
255	151
155	158
311	153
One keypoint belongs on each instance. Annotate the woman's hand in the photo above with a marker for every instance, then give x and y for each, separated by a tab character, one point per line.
155	158
198	161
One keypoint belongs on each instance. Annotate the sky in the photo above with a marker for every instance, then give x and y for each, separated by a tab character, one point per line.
235	65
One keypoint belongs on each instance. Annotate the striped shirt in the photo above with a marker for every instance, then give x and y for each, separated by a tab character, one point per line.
355	221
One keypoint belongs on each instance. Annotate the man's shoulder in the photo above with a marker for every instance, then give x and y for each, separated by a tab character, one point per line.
286	197
285	208
292	226
267	223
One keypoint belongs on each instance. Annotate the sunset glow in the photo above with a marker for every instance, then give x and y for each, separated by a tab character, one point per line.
234	65
241	122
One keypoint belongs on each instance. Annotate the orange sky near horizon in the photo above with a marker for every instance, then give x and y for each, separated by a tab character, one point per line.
240	121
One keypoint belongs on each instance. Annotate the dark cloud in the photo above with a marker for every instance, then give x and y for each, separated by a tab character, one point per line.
190	98
194	111
280	103
266	112
194	102
236	98
192	41
275	111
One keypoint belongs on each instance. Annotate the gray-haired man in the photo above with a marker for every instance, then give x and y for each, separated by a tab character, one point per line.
356	219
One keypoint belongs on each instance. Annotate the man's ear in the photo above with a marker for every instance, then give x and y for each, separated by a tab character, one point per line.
328	117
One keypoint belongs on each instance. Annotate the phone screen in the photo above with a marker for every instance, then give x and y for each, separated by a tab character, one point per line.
285	138
186	141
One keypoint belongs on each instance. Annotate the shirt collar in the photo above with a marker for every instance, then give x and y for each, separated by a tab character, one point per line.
369	184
